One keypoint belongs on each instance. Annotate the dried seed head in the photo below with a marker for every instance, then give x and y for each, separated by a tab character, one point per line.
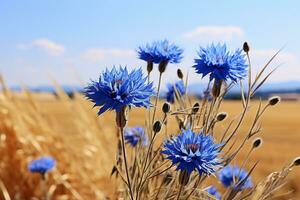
184	177
179	74
166	107
274	100
246	47
257	143
196	107
149	67
296	161
162	66
157	126
221	116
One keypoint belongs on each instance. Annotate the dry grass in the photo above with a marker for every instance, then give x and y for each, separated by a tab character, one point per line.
85	146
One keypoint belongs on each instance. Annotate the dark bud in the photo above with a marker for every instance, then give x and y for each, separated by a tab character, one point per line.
246	47
162	66
221	116
274	100
257	143
166	107
149	67
184	177
296	161
167	179
216	90
181	124
196	108
179	74
157	126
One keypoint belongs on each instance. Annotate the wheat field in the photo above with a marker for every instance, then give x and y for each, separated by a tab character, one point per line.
84	145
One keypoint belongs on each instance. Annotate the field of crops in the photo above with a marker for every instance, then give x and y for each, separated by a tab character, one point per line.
84	145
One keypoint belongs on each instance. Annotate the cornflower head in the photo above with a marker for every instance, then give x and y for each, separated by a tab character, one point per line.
118	88
136	135
190	151
220	64
41	165
174	90
231	176
214	192
160	52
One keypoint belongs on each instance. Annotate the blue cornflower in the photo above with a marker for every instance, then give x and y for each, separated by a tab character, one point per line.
136	135
160	51
175	89
221	64
214	192
41	165
231	176
118	88
190	151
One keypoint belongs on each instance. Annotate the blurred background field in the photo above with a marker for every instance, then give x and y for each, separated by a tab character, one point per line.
84	145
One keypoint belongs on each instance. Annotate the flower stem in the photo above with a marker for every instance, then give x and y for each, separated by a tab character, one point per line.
125	162
179	192
157	97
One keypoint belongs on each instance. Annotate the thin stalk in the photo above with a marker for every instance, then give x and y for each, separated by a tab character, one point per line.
125	161
144	166
179	192
157	97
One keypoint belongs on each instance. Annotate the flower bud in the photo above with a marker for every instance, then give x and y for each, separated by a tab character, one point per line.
195	108
257	143
296	161
157	126
274	100
162	66
167	179
149	66
184	177
221	116
166	107
216	89
246	47
179	74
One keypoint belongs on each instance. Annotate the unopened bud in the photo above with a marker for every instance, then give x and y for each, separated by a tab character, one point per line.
181	124
166	107
184	177
221	116
149	66
157	126
167	179
296	161
216	89
179	74
196	108
257	143
246	47
162	66
274	100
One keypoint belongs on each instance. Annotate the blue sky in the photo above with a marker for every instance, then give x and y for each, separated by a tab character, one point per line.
75	40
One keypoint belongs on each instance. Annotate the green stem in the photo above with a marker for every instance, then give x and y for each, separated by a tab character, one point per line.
125	162
157	97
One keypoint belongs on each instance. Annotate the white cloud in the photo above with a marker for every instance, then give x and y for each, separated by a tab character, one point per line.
283	57
287	62
45	45
214	33
100	54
